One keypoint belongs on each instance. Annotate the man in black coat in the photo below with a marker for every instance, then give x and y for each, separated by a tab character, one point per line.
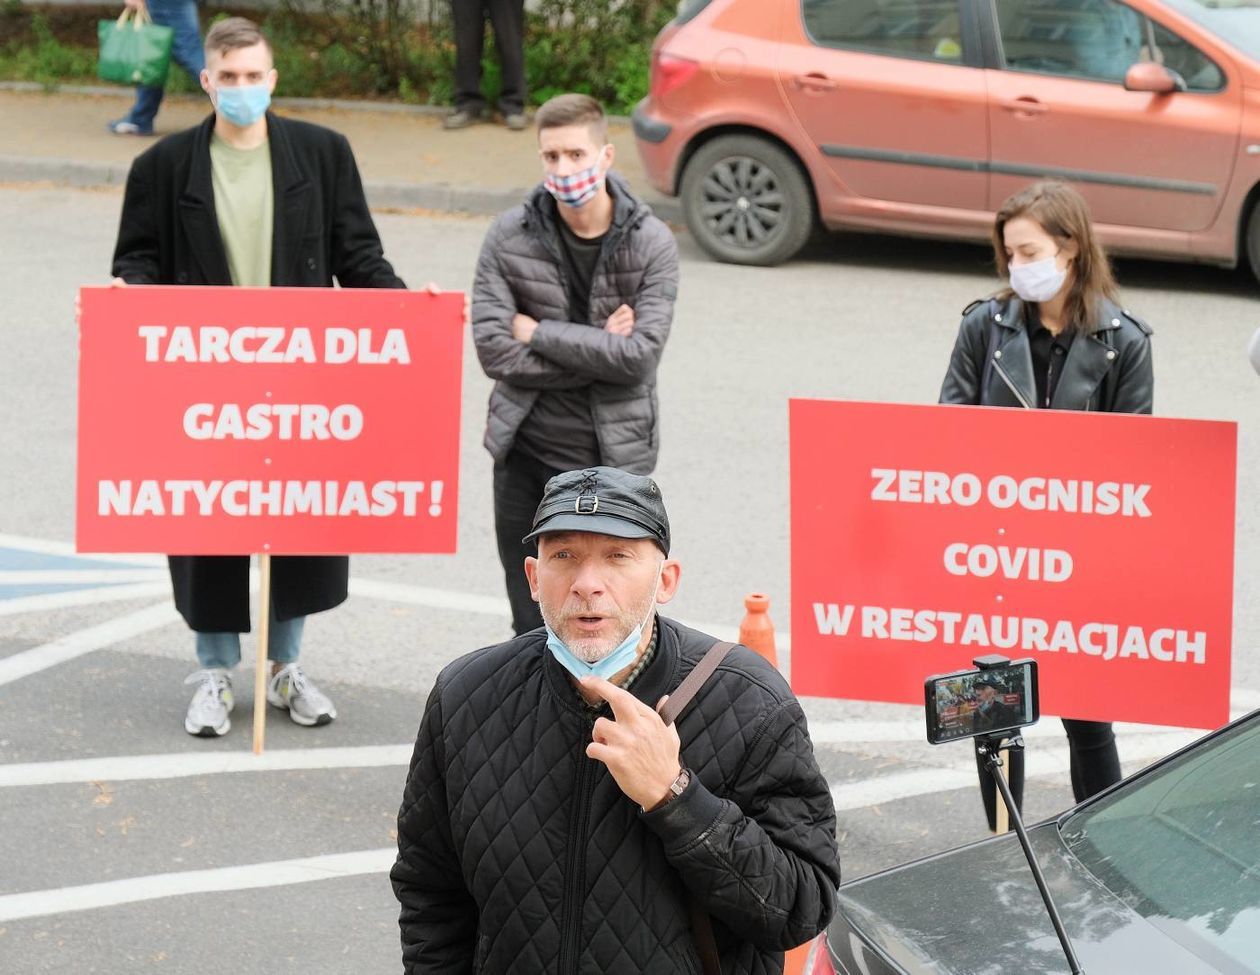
551	820
249	199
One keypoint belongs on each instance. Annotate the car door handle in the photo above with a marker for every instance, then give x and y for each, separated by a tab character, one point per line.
1025	105
813	82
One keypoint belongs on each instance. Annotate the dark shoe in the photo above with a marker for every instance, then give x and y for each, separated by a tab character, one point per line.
461	118
516	121
123	127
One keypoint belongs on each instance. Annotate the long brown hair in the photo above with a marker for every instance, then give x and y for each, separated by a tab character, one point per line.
1062	213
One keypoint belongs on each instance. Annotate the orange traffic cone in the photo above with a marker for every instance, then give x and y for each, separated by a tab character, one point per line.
757	632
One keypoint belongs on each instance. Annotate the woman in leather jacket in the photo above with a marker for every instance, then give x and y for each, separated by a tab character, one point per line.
1054	339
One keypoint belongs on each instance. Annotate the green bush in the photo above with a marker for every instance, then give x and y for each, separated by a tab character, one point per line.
376	48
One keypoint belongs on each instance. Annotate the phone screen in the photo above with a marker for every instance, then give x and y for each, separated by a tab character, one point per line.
981	702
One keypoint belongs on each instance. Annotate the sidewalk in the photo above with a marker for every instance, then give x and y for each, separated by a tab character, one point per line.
408	161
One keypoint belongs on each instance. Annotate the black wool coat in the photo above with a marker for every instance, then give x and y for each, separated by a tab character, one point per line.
519	854
169	234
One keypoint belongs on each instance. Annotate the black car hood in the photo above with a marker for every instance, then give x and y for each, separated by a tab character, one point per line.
976	911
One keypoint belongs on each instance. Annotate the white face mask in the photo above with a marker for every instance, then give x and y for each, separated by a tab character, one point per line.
1038	281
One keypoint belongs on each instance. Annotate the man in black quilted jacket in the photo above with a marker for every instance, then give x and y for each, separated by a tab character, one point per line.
571	306
553	823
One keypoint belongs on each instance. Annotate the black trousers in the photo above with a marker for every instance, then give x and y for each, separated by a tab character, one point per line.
507	17
1095	766
518	487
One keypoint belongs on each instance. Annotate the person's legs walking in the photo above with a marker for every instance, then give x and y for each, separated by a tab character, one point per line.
507	17
469	25
518	488
186	51
1095	760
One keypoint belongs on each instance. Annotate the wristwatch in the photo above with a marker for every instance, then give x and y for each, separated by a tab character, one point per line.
676	789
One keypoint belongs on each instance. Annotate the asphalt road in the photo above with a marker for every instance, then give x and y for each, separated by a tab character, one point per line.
128	846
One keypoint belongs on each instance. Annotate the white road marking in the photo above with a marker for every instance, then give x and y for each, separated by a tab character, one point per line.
279	873
134	768
45	601
962	775
75	577
466	602
45	546
85	641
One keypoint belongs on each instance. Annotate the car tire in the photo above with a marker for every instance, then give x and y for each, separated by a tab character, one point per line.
1252	240
747	201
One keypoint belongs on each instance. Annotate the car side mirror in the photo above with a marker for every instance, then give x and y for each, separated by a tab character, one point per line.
1152	77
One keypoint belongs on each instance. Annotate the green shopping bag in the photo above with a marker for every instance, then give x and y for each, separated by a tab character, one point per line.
134	50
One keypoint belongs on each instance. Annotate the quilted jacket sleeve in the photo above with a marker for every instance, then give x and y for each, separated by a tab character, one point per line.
622	359
439	917
768	867
502	355
966	365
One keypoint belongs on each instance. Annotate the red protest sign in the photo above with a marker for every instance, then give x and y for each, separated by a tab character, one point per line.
1101	545
221	421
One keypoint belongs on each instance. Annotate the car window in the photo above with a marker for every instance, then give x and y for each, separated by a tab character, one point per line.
922	29
1095	39
689	9
1236	22
1197	69
1181	846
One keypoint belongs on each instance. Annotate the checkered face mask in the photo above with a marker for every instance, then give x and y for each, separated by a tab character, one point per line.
577	189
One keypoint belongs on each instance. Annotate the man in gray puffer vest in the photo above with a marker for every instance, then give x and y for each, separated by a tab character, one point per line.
572	304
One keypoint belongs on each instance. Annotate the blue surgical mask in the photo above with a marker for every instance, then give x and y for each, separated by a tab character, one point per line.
618	660
243	105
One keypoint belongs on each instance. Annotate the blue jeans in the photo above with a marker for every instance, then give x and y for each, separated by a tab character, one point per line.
186	51
224	649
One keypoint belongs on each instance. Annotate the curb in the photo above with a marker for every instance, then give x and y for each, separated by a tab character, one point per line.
439	197
281	101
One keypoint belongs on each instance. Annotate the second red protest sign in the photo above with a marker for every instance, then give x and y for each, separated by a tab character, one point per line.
283	420
1101	545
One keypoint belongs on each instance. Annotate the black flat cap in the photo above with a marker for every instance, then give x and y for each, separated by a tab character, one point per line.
985	682
603	500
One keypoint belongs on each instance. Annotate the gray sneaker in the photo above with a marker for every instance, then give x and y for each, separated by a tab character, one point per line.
516	121
461	118
211	704
307	704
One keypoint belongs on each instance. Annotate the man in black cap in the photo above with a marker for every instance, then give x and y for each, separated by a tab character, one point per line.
552	821
991	711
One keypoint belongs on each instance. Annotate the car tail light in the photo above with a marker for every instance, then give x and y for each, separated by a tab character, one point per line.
668	72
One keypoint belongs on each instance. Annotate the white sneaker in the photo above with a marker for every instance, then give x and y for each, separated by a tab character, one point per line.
293	690
212	703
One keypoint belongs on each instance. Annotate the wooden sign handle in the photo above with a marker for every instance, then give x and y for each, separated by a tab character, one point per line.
261	667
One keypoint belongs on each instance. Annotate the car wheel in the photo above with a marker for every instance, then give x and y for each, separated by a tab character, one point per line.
747	201
1253	240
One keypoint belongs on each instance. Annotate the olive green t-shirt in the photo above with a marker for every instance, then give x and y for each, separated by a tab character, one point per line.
244	203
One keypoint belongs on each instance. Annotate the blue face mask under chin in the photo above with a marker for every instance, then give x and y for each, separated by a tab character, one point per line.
618	660
243	105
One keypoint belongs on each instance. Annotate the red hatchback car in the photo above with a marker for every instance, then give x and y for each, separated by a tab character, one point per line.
770	118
